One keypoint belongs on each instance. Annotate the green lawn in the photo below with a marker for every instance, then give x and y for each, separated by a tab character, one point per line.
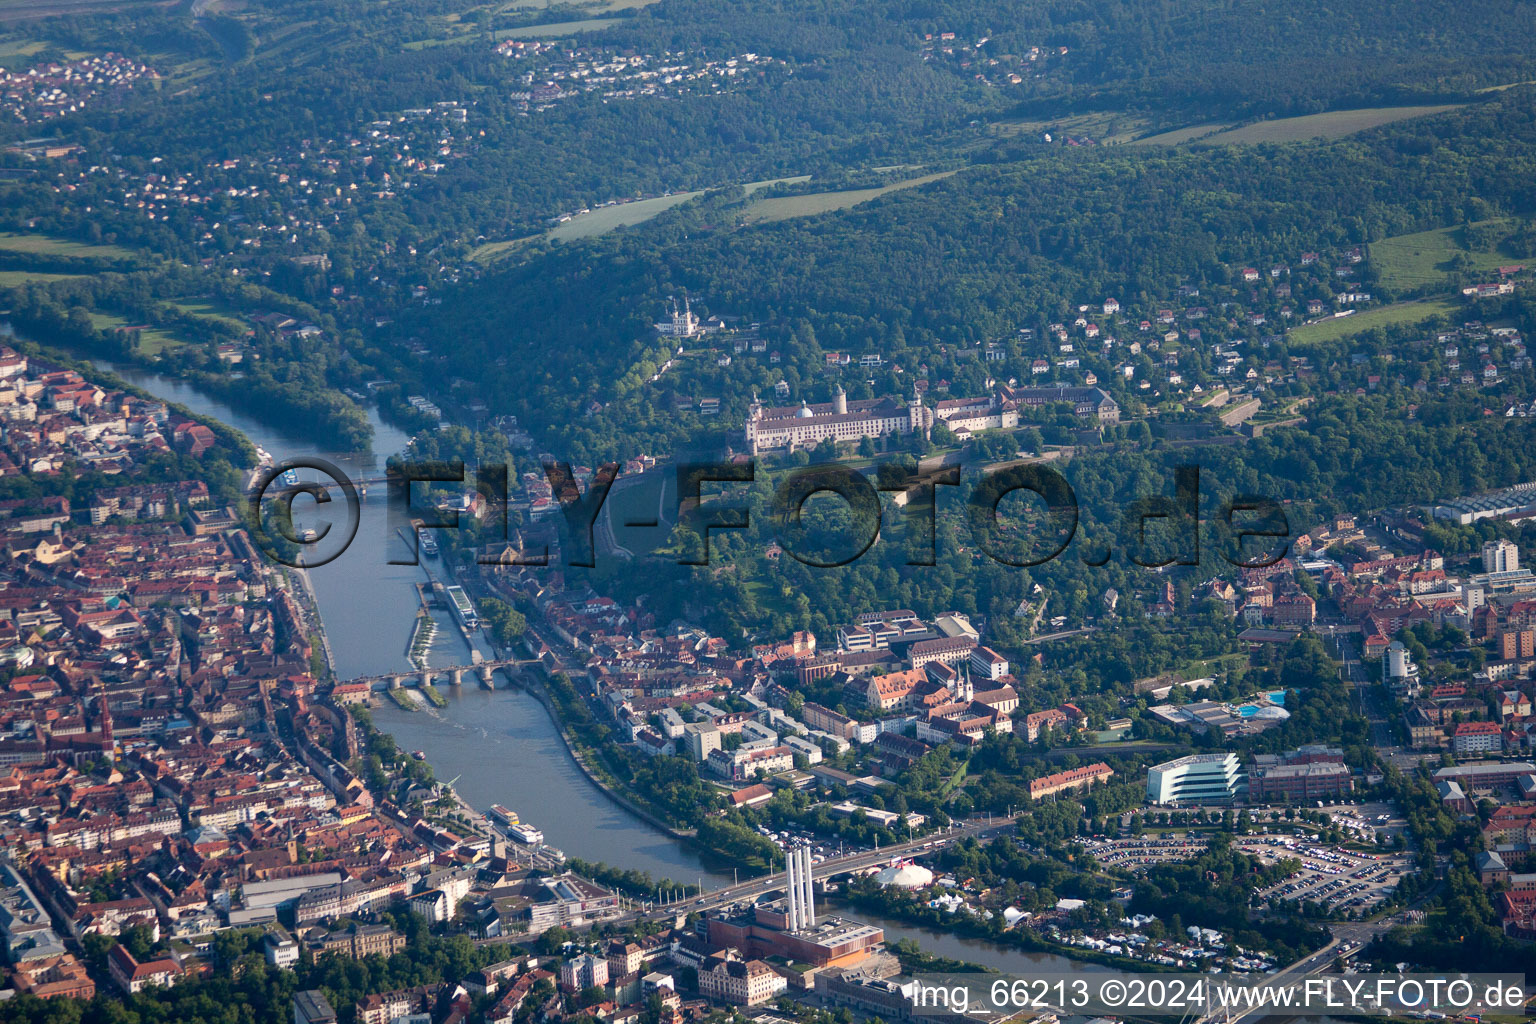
1424	259
1386	316
1201	667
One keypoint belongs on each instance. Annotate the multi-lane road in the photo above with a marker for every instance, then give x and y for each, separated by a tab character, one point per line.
979	828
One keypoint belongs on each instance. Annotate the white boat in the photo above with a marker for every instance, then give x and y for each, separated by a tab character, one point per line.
463	608
525	834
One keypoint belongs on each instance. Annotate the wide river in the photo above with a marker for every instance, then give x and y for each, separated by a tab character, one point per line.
497	746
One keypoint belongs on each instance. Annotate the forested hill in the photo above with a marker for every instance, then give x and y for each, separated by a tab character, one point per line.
853	85
1208	58
1237	57
920	276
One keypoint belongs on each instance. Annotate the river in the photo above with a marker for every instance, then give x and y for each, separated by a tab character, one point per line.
496	746
501	746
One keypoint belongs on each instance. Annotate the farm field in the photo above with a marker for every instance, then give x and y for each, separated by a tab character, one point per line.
460	28
1424	259
1387	316
17	10
559	28
595	7
16	278
776	208
45	245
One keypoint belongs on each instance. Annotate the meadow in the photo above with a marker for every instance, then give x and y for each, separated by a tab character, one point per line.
776	208
45	245
1424	259
1332	124
152	340
17	278
622	215
1395	315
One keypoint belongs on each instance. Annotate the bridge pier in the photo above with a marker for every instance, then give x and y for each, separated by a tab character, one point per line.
482	667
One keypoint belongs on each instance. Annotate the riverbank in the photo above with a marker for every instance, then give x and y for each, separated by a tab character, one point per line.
582	758
1020	940
311	606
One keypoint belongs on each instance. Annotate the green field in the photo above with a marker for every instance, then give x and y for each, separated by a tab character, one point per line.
490	252
1333	124
20	10
606	218
208	309
784	207
455	29
17	278
1387	316
46	245
595	7
152	340
19	52
1109	127
559	28
1179	136
1423	259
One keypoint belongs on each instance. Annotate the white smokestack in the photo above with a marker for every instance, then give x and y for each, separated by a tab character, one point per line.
808	907
792	887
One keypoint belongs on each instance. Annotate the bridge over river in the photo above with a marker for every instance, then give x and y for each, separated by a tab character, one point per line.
482	668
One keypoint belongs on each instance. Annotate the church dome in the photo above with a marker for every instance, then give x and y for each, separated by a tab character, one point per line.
804	412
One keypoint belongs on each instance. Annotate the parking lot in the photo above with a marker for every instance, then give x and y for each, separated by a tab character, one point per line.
1339	879
1145	850
1336	877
